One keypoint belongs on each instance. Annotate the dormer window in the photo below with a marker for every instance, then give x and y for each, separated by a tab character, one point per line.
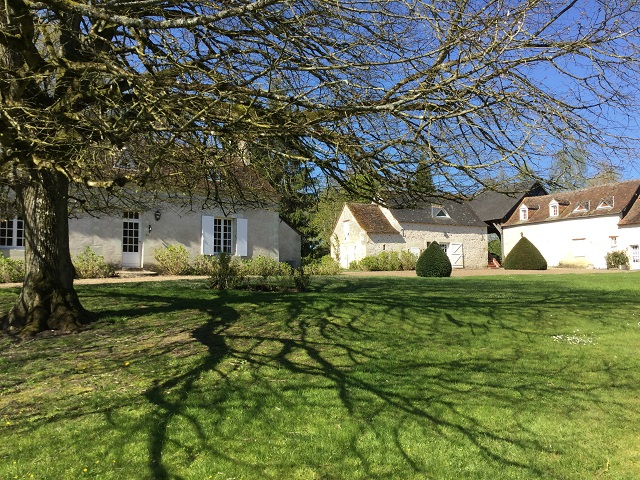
125	160
554	209
582	207
605	203
439	212
524	213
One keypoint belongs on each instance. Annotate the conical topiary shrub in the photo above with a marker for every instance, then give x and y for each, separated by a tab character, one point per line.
524	256
433	262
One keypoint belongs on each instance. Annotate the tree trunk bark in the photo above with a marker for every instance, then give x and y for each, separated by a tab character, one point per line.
48	300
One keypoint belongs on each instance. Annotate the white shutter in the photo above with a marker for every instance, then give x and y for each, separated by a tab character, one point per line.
456	255
242	237
207	235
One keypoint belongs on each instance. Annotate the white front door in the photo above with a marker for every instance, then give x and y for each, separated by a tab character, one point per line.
131	240
455	255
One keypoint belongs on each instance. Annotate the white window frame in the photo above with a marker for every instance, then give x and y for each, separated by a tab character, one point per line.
222	235
239	233
12	233
346	225
635	253
614	241
524	213
554	209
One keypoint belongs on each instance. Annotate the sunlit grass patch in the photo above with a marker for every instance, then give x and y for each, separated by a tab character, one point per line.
509	377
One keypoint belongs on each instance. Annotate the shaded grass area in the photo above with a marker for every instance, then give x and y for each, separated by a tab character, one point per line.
487	377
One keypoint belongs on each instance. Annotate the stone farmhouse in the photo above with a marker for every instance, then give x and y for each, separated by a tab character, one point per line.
130	229
129	239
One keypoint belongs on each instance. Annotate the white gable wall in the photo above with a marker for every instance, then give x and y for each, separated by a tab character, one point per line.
577	241
349	241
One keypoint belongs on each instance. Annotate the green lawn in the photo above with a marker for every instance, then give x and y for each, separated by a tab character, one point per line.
513	377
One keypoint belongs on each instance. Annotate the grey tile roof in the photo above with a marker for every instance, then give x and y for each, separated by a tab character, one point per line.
459	214
497	206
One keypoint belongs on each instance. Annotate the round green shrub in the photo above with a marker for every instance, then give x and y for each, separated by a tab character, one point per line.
433	262
617	259
524	256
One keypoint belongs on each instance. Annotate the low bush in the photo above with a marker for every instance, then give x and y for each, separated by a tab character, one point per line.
323	266
266	267
172	260
227	272
617	259
495	249
204	265
88	264
408	260
301	280
433	262
260	273
524	256
11	271
386	262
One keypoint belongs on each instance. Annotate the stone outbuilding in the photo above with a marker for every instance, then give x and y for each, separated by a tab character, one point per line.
368	229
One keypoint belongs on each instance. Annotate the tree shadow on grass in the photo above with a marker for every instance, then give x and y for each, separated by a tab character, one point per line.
319	341
168	406
352	337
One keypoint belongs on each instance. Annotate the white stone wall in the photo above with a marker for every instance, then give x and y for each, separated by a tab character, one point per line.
473	240
629	236
13	253
176	226
579	241
289	241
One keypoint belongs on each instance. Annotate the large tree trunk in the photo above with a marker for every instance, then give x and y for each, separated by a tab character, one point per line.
48	300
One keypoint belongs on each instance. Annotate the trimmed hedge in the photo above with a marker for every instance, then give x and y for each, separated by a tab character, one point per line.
386	262
524	256
433	262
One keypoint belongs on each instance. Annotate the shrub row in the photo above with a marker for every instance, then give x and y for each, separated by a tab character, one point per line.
323	266
87	265
175	260
386	262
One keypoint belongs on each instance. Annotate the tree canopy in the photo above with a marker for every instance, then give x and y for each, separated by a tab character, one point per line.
364	87
354	89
